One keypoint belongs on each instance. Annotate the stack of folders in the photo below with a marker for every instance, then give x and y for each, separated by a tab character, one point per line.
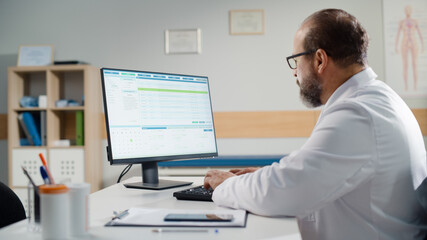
34	127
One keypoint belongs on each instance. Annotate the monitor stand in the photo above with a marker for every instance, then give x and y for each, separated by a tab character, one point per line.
150	179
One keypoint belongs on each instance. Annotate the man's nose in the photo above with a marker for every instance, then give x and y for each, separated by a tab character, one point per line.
294	72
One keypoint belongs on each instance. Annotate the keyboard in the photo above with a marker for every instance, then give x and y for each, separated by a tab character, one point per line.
198	193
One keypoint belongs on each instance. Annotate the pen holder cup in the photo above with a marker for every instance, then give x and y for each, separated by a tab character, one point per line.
33	208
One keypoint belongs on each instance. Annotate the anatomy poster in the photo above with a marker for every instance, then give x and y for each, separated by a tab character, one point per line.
405	36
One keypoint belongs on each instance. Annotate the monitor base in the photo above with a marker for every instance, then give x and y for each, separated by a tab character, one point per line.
162	184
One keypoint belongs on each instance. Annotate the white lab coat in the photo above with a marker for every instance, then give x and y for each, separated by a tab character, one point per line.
355	176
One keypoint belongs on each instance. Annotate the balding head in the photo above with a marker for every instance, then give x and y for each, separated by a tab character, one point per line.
338	33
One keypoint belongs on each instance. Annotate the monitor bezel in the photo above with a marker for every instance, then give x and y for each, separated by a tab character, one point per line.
150	159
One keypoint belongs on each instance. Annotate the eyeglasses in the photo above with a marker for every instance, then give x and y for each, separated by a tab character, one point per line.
292	61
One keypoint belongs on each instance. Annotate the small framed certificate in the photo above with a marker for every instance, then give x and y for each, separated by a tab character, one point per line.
247	22
183	41
35	55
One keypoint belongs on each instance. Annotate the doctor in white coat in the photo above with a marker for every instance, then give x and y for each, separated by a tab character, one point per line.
355	177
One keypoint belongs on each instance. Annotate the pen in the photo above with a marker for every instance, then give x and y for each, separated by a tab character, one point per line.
29	178
47	169
120	215
44	175
160	230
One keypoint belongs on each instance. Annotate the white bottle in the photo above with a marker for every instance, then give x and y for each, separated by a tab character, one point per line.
79	208
54	211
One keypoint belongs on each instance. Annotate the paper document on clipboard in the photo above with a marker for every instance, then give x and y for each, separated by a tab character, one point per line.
155	218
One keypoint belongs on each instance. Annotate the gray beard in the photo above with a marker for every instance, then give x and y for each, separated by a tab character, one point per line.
310	92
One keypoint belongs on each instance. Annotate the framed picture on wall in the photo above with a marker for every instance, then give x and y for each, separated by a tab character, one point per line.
35	55
247	22
183	41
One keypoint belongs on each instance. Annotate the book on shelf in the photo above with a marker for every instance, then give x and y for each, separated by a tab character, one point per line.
28	141
30	127
79	128
43	126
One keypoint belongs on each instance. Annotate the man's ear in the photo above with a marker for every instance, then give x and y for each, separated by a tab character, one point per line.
320	60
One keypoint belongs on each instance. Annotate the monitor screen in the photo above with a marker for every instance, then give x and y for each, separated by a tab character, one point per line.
153	117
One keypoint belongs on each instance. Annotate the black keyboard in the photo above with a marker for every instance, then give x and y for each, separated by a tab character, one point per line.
198	193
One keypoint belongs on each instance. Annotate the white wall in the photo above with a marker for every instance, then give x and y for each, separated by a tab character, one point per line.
247	73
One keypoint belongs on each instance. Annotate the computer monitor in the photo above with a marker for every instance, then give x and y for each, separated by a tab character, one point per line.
152	117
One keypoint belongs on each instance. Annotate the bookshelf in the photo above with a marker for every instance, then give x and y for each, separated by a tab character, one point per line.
75	163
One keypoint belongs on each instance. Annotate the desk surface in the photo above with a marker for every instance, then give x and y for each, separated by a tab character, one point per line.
118	198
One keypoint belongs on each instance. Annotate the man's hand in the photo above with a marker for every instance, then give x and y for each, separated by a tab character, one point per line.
244	171
214	178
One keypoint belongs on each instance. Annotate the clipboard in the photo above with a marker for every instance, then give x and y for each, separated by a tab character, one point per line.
149	217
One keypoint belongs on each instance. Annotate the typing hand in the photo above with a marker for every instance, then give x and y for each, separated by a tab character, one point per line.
244	171
214	178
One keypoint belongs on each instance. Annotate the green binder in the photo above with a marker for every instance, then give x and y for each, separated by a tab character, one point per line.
79	128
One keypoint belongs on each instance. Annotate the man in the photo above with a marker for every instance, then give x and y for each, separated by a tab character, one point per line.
355	176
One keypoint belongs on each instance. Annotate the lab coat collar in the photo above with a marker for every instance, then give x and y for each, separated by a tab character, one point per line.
349	86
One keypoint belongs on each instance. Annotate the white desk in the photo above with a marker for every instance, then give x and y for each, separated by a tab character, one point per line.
118	198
